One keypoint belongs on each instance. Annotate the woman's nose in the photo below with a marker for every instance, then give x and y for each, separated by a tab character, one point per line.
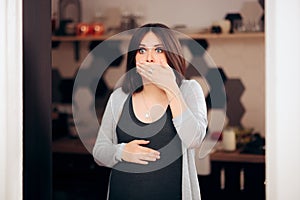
150	56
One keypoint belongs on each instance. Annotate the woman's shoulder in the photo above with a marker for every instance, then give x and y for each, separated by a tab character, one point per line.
116	101
190	87
118	94
189	84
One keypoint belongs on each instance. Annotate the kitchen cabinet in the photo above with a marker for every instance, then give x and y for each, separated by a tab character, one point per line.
194	36
78	177
75	174
234	176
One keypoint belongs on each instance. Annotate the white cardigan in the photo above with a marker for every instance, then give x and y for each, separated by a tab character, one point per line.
190	125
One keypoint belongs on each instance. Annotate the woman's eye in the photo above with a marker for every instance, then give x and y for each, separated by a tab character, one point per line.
142	50
159	50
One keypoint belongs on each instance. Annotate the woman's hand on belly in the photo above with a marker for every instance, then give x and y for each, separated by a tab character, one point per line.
135	153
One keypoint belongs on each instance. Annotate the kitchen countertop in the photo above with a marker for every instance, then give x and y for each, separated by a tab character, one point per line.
75	146
236	156
69	145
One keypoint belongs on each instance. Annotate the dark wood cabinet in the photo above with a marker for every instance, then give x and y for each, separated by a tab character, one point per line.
234	179
75	174
78	177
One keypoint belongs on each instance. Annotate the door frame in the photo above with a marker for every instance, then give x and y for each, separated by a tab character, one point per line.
37	160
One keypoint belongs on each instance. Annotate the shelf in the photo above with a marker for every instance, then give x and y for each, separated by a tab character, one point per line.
227	36
236	156
118	37
194	36
85	38
75	146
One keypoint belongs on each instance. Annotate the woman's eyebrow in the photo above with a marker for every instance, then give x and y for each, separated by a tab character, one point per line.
157	45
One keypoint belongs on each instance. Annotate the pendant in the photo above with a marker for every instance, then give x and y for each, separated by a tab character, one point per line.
147	115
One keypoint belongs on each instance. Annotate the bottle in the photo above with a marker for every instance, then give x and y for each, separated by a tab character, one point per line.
53	22
228	140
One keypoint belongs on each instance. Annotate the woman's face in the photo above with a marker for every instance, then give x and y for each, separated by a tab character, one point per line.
150	50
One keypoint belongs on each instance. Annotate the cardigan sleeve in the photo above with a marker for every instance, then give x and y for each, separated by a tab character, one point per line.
192	123
105	152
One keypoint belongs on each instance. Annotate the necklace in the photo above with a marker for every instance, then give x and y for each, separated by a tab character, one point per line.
147	114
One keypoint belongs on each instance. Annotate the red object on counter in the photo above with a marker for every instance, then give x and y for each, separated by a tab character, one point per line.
83	29
98	28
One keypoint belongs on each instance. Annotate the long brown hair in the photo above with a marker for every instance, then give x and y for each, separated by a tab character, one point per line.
133	81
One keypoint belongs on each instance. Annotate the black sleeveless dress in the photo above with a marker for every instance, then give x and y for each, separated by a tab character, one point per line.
161	179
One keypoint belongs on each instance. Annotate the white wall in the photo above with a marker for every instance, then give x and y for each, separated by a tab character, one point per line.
11	100
283	99
245	59
193	13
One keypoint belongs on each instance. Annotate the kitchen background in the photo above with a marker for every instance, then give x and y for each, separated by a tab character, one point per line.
241	60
